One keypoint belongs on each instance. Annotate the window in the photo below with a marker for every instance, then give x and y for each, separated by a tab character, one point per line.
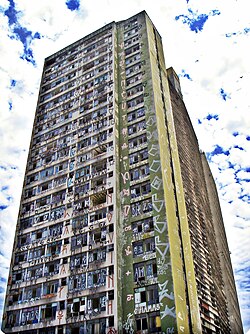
98	255
77	282
43	201
138	156
138	248
54	248
18	276
130	24
98	303
82	190
141	207
133	69
44	187
59	168
149	245
29	316
84	143
135	90
85	130
133	79
140	189
97	278
20	257
98	182
97	236
135	128
23	240
96	326
136	114
151	269
55	230
136	101
102	136
29	207
34	272
132	59
84	157
141	322
79	241
26	223
139	272
36	253
155	322
63	153
76	306
84	171
46	331
132	49
30	192
78	207
144	246
99	198
60	330
100	112
143	226
12	319
150	322
50	287
130	32
140	296
79	222
98	215
59	196
140	172
51	268
145	270
60	181
78	261
111	295
111	321
48	311
131	40
134	174
101	79
39	234
99	167
14	297
152	294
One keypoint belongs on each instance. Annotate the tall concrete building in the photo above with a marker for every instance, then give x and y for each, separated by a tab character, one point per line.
119	228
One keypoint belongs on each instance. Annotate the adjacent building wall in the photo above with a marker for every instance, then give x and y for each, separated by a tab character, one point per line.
224	254
203	221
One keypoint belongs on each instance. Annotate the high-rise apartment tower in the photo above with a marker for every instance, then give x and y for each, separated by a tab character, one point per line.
119	228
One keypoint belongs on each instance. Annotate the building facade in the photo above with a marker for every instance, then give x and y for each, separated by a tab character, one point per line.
223	251
115	231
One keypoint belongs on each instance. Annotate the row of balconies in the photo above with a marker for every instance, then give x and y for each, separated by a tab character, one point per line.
93	200
90	138
85	185
51	231
58	157
91	109
75	83
82	175
81	69
72	59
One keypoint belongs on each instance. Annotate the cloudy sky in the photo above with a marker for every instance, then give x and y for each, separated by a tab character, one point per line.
207	43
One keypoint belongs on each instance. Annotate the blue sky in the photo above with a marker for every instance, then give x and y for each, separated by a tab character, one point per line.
205	41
